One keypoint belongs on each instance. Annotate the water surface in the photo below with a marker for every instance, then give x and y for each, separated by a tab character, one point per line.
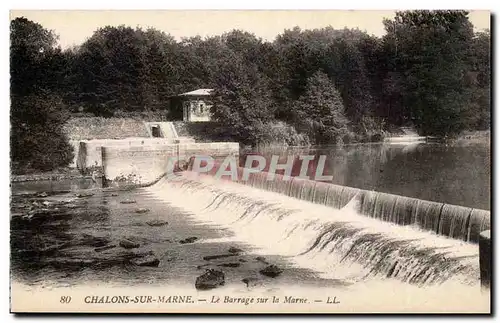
456	174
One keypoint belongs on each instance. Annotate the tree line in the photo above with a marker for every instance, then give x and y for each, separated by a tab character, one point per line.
430	70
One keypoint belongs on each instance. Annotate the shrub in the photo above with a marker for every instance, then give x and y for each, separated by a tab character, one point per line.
37	139
279	133
319	112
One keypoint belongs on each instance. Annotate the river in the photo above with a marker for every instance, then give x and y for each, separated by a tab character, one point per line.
456	174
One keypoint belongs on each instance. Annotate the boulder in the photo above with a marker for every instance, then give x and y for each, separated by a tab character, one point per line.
188	240
217	257
157	223
261	259
127	244
271	271
235	250
84	194
42	194
128	202
251	281
148	261
230	264
142	210
212	278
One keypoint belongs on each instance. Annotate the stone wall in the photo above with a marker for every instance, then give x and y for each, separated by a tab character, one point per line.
146	163
105	128
89	151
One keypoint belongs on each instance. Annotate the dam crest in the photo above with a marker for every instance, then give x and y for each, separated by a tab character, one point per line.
337	238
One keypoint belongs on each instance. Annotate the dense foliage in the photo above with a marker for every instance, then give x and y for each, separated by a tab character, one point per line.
38	142
430	70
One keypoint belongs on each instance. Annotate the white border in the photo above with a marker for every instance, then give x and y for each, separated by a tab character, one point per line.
185	4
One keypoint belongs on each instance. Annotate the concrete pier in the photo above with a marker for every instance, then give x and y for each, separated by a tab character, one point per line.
485	258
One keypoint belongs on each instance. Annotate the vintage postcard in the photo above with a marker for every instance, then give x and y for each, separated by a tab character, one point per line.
278	161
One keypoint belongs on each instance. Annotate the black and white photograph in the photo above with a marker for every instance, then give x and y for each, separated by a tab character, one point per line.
250	161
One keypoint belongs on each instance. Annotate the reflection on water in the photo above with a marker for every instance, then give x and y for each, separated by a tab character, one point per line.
61	185
453	174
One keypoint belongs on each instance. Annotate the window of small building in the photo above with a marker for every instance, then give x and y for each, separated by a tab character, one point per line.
155	131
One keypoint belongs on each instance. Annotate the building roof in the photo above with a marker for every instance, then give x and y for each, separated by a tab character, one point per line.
197	92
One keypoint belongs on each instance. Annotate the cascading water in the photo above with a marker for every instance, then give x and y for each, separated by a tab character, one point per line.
337	243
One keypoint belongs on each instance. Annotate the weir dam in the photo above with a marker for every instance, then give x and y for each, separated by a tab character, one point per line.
340	232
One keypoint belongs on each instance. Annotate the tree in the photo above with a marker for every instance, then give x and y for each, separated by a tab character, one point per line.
38	141
320	112
479	82
351	76
31	47
111	68
37	114
241	100
430	59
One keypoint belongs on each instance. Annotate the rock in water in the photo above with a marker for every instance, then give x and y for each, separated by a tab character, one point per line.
212	278
127	202
127	244
43	194
251	281
262	259
271	271
188	240
84	194
141	210
148	261
156	223
207	258
235	250
230	264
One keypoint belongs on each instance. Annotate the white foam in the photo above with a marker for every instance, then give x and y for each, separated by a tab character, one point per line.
278	224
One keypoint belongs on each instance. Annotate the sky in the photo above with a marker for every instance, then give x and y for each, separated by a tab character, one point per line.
74	26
